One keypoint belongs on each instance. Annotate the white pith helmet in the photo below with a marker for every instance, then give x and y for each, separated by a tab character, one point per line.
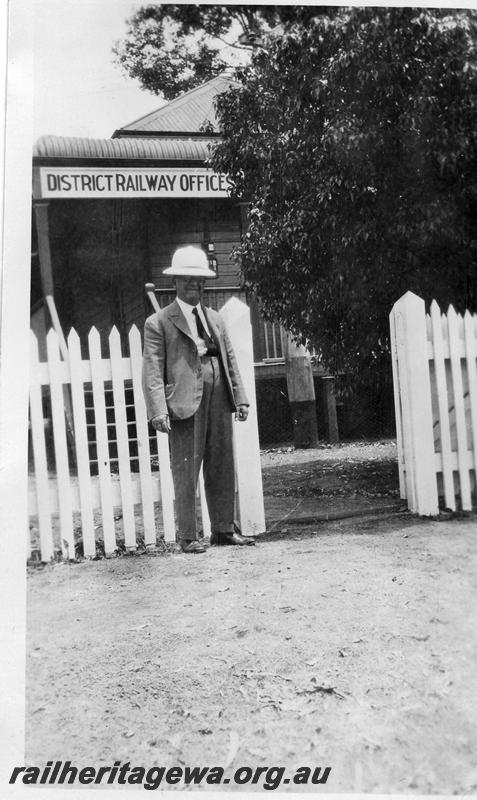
190	261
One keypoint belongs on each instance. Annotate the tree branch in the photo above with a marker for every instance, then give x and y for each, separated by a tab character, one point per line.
230	44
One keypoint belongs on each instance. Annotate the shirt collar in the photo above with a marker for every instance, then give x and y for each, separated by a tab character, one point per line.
186	308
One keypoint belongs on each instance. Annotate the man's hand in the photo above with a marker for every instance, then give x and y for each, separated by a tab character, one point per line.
241	413
161	423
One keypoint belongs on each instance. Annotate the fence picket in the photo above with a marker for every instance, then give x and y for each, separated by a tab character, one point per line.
88	493
470	336
397	406
122	439
102	446
206	529
60	446
142	435
81	440
167	487
454	346
443	405
39	455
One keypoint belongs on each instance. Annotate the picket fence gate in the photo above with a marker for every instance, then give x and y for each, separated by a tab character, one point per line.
434	360
129	495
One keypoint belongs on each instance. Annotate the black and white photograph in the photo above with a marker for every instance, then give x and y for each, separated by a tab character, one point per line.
239	398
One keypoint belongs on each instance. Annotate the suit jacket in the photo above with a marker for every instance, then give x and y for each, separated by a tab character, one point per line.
172	369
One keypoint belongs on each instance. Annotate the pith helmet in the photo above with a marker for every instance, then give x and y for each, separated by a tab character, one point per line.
190	261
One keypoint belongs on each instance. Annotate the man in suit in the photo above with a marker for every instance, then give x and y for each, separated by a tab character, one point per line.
192	387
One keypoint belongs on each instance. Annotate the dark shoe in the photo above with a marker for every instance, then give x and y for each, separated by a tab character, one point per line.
188	546
221	539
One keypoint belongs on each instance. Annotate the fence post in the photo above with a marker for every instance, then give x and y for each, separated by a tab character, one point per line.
415	392
236	316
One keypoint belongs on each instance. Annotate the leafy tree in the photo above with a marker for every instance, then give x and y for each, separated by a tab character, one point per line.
353	137
173	48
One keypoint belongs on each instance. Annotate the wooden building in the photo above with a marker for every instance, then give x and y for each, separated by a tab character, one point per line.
108	215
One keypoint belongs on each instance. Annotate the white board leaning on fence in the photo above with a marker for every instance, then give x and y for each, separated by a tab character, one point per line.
64	502
251	511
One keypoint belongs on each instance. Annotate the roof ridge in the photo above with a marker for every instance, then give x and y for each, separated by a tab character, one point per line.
221	76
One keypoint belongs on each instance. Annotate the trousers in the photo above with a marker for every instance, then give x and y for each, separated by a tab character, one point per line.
205	438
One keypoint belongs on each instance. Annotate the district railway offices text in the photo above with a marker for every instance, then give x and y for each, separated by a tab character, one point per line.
60	182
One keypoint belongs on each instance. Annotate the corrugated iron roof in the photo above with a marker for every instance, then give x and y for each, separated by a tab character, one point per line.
186	114
122	149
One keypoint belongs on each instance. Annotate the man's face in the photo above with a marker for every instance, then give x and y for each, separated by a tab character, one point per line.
190	289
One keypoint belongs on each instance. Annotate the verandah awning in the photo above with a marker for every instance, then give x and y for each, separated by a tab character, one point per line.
72	167
72	148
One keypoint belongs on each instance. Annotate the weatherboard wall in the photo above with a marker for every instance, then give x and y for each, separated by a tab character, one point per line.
104	251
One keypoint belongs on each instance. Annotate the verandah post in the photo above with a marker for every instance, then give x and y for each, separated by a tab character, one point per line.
301	394
415	388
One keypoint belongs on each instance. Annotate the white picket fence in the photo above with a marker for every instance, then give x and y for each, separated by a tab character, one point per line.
64	503
434	359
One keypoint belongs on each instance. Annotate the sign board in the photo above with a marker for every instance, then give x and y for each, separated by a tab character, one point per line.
93	182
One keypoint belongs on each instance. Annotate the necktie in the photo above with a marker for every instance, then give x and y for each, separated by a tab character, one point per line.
209	343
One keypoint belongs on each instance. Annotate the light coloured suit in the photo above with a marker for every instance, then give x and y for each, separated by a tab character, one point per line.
173	380
199	394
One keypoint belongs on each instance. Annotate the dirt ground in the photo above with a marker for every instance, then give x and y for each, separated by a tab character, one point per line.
349	643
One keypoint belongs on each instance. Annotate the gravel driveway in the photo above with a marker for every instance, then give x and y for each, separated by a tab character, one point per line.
350	644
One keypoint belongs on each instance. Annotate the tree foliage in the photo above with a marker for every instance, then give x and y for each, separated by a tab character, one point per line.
174	48
353	137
